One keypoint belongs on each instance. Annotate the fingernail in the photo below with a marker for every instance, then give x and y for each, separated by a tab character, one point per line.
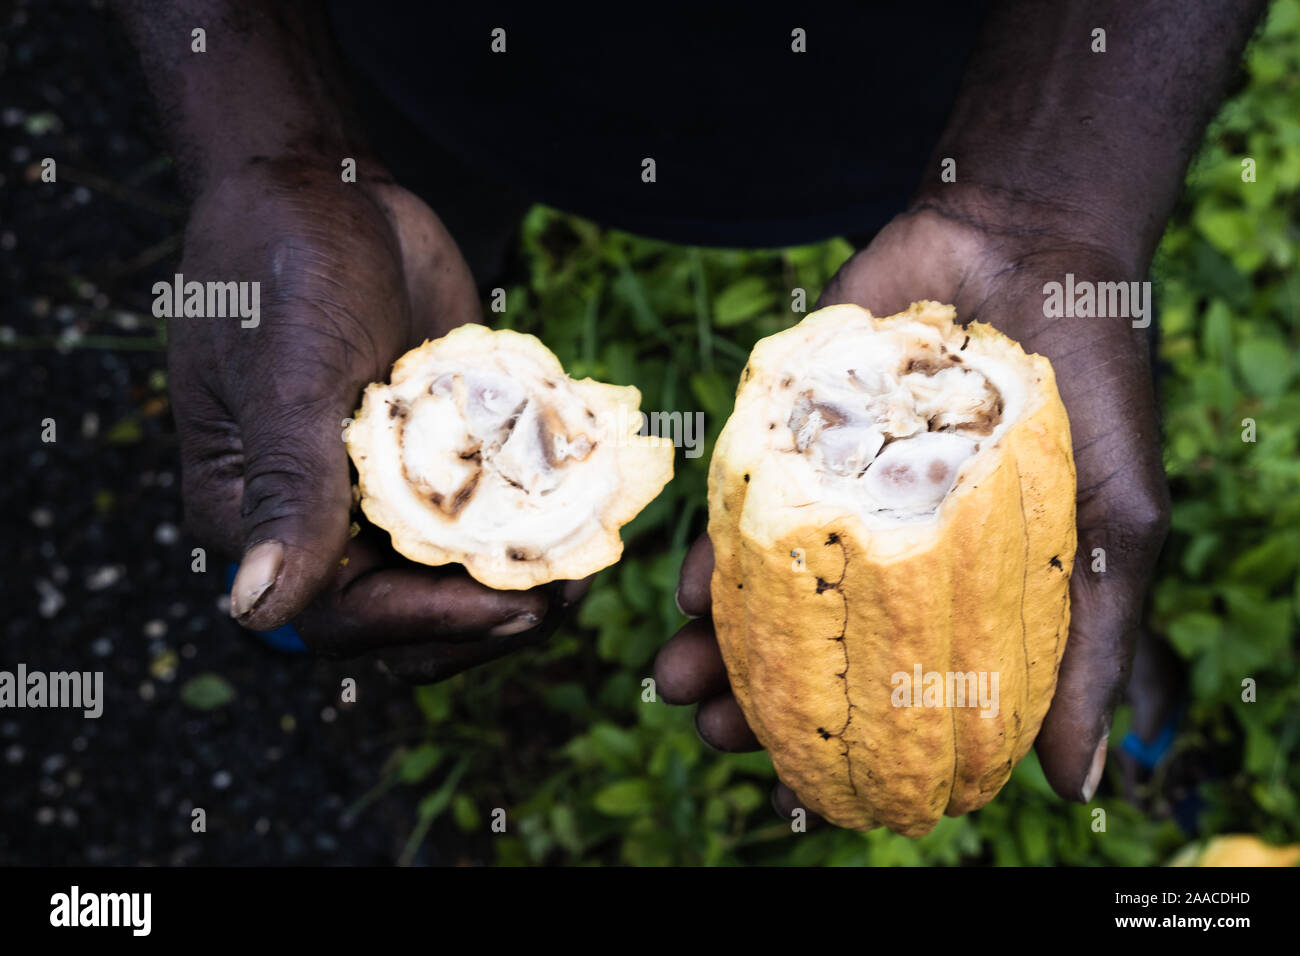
257	573
677	599
516	625
1094	772
700	733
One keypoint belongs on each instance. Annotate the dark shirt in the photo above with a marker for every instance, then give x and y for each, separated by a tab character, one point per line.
754	145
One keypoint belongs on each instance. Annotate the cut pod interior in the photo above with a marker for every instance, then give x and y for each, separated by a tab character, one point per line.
883	416
481	450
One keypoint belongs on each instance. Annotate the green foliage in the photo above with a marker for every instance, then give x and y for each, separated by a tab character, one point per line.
588	771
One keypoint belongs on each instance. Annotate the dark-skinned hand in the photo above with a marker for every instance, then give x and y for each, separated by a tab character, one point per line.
352	275
996	275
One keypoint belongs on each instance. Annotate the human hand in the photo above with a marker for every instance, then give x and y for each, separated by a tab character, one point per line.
351	275
993	269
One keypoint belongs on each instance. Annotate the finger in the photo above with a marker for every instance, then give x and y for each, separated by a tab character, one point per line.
693	596
1123	508
370	604
786	803
689	667
722	726
431	663
294	509
1105	615
571	592
212	471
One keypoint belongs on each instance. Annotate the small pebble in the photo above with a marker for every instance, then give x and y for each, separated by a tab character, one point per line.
51	598
104	577
163	666
53	763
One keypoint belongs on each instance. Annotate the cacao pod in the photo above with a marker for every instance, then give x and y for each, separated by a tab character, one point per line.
480	450
891	506
1237	849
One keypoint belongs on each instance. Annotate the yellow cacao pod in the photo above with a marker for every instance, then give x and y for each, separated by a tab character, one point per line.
891	506
1237	849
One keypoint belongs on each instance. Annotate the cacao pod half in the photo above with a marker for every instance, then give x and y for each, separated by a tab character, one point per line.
482	451
891	506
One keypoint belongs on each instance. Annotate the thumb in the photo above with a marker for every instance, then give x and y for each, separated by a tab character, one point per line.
295	510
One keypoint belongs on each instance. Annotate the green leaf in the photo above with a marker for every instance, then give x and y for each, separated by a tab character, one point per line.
742	300
432	806
564	824
1265	367
1195	633
615	747
420	762
714	392
464	812
1268	563
125	432
434	701
207	692
626	798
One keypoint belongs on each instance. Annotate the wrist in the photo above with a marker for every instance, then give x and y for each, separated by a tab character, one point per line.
1020	219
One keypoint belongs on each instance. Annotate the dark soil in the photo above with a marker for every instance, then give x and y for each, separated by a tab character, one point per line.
100	572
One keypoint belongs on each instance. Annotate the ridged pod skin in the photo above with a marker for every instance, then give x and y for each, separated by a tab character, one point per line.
816	613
